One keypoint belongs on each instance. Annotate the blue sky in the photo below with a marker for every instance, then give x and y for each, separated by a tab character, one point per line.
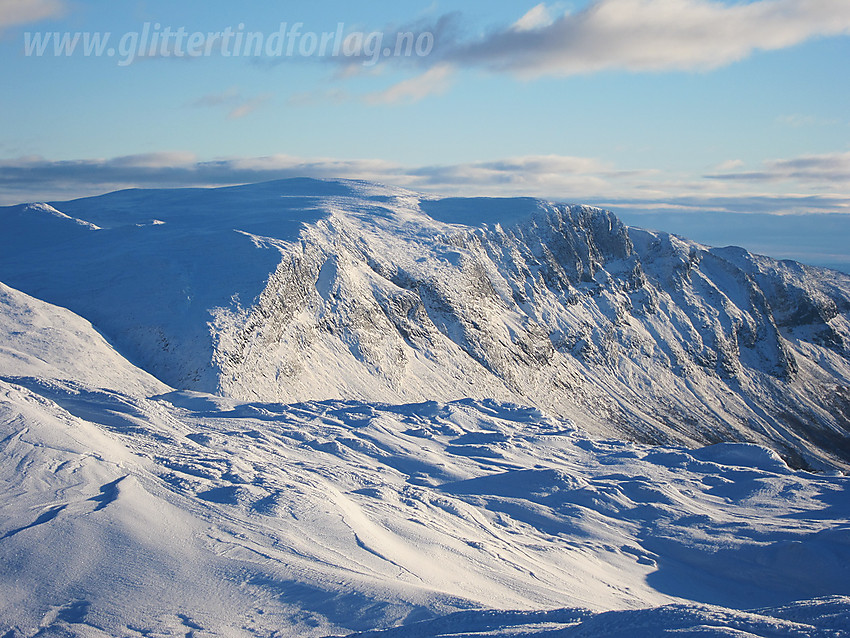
640	105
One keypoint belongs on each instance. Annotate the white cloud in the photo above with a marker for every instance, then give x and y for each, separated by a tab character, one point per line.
729	165
811	171
154	160
267	166
434	81
654	35
14	12
536	18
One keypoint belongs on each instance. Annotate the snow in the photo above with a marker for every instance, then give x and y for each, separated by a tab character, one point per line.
41	340
328	517
349	410
692	620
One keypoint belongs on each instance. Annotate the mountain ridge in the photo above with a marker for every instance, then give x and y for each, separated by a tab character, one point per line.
306	290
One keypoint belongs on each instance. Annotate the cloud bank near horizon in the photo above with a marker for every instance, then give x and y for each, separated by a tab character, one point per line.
776	187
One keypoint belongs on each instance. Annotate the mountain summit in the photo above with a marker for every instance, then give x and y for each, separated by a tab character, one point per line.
303	289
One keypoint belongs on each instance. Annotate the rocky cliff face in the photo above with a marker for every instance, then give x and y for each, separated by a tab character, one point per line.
314	290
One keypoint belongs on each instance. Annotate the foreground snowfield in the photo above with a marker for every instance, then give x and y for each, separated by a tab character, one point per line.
129	507
188	514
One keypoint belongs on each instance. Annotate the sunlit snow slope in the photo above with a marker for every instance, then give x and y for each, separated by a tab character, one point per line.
43	341
304	289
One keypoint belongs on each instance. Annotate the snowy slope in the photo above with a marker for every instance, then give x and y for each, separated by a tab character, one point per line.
188	514
48	342
308	290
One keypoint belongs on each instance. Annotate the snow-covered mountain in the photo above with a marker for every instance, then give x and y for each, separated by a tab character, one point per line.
310	290
186	514
312	408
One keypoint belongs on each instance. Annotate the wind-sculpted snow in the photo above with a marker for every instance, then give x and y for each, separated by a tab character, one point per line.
311	290
191	514
809	619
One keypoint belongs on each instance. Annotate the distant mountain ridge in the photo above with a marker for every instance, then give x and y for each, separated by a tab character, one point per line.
305	289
